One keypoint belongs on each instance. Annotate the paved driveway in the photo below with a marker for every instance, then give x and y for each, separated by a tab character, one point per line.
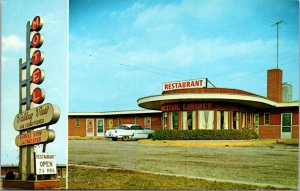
275	165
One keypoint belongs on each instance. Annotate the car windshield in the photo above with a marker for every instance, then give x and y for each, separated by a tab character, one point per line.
121	127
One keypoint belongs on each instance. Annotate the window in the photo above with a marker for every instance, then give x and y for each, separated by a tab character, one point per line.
77	122
286	122
174	120
222	119
136	120
236	120
206	119
119	121
121	127
189	120
137	128
267	118
244	120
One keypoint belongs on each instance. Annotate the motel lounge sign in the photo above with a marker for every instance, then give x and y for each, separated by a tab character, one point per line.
29	117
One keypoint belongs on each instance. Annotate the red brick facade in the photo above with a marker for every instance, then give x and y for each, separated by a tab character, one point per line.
274	87
215	108
110	121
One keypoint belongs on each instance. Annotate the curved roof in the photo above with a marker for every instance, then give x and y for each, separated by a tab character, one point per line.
224	95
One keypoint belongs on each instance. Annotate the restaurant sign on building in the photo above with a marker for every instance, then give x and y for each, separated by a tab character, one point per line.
198	83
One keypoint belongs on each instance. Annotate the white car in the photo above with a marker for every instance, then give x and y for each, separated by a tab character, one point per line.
129	131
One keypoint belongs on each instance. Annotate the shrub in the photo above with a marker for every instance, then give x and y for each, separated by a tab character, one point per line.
231	134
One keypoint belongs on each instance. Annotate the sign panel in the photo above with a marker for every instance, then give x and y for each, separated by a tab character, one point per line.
45	163
37	40
35	137
198	83
37	58
37	76
37	23
45	114
38	95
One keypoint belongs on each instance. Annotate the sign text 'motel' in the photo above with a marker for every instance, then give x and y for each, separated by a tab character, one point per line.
35	137
45	114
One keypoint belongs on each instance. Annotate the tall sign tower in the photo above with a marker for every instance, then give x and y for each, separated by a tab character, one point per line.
33	120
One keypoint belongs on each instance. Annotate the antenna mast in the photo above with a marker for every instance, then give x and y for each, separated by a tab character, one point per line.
277	23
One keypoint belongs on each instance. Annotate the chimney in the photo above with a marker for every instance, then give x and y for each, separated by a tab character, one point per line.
274	85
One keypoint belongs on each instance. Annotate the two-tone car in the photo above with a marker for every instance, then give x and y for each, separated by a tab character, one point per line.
129	131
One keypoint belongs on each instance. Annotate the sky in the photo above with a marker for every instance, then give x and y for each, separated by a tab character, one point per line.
121	51
15	14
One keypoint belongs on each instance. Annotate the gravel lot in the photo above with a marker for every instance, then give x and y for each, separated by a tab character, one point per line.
275	165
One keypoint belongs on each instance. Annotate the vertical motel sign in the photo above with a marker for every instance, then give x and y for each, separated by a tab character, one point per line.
31	117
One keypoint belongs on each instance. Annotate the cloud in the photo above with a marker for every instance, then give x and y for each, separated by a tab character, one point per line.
12	42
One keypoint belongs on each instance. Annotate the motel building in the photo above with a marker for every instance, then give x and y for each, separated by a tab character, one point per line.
191	105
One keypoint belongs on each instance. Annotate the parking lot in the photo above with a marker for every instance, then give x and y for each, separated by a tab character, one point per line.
275	165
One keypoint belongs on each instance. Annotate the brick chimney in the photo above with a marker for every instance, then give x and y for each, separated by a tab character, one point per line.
274	89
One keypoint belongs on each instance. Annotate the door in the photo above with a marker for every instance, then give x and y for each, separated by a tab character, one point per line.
139	132
100	127
90	127
147	122
286	125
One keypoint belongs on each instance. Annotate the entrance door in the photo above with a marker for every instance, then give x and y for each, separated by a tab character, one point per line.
147	122
90	127
100	127
286	125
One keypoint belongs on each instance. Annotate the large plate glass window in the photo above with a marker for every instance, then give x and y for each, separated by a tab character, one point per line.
222	120
174	120
206	119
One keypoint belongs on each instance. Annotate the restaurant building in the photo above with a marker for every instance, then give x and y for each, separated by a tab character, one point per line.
191	105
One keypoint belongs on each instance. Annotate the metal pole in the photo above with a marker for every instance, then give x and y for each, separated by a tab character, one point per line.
277	23
277	46
45	144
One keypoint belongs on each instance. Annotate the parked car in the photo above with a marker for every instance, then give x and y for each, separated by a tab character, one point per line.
129	131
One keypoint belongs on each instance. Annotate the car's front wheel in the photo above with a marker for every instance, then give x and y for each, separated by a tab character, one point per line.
114	138
150	136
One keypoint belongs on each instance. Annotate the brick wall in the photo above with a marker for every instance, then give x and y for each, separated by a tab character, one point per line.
273	132
274	85
77	131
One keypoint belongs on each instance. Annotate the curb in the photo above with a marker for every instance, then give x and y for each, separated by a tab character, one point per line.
86	138
221	143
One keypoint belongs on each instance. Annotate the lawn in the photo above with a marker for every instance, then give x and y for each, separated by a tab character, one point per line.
102	179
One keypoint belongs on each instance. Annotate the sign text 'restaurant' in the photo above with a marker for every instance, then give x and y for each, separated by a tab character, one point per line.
198	83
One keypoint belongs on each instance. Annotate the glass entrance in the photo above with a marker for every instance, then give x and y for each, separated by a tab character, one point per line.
100	127
286	125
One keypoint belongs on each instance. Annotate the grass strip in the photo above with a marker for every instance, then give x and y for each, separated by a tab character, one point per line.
103	179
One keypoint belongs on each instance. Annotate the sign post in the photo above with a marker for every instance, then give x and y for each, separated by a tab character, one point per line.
29	117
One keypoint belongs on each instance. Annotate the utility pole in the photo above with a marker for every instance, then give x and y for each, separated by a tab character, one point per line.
277	23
